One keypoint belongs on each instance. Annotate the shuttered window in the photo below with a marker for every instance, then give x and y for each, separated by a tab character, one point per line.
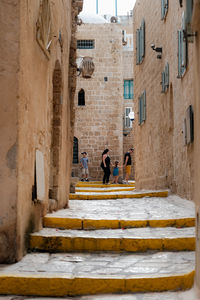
165	79
128	89
188	21
127	121
164	9
182	49
140	43
142	108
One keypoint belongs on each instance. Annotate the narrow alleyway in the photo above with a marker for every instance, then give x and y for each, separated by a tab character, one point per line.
124	242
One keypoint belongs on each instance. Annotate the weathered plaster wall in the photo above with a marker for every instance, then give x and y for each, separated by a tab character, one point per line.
36	115
9	95
98	124
162	159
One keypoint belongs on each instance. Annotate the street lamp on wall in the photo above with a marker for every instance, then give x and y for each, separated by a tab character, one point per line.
131	116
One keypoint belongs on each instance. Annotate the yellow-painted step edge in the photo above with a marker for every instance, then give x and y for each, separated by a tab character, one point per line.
56	285
100	185
90	244
118	196
104	191
76	223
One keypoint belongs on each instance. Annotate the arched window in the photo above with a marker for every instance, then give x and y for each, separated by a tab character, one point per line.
81	97
75	151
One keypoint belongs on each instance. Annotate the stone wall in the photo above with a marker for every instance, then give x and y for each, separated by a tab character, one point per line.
98	124
196	49
35	115
162	159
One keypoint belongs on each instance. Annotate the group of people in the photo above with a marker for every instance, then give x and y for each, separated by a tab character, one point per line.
106	165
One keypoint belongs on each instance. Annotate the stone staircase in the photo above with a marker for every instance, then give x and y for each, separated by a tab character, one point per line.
118	241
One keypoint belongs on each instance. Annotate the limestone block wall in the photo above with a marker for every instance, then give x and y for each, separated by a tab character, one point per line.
98	124
35	115
196	78
162	159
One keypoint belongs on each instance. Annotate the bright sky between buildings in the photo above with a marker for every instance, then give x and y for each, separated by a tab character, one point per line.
108	6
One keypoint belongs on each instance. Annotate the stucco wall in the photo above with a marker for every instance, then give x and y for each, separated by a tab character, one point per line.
162	159
98	124
36	116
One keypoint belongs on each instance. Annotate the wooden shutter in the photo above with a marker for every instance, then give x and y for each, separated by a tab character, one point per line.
164	9
142	41
137	46
144	106
163	82
184	46
179	53
166	76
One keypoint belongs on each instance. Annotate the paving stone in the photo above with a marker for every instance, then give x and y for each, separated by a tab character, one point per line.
119	265
171	207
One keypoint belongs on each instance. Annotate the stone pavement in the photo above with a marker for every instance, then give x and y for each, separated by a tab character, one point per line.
89	230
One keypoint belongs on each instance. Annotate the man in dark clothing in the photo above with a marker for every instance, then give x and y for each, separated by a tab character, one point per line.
127	164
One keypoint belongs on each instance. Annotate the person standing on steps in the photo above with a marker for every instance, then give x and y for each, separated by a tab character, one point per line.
127	164
116	172
105	165
84	166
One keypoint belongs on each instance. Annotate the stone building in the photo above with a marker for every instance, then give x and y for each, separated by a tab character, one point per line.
195	28
37	83
164	90
100	118
168	95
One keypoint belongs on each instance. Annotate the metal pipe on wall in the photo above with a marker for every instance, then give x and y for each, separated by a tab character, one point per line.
116	8
97	7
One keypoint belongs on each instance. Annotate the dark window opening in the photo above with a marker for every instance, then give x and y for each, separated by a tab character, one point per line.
81	97
85	44
75	151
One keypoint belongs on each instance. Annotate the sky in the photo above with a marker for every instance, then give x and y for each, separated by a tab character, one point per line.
108	6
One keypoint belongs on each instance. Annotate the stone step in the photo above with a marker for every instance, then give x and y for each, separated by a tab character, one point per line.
131	240
101	185
71	274
103	190
133	194
124	213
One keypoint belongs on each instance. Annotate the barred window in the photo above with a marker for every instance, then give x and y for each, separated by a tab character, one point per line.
75	151
85	44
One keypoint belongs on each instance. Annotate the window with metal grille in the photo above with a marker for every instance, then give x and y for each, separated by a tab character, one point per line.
81	98
75	151
128	89
85	44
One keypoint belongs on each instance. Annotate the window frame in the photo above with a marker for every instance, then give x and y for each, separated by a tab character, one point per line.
130	84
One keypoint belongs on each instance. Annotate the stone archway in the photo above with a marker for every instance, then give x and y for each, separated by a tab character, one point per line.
55	132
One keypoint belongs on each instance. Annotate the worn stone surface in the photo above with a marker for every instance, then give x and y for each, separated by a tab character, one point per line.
102	265
171	207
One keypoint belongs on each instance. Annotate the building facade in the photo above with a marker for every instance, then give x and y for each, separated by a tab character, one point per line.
164	89
37	83
100	120
166	73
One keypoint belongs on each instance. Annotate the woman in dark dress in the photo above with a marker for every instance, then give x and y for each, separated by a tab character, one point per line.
106	166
